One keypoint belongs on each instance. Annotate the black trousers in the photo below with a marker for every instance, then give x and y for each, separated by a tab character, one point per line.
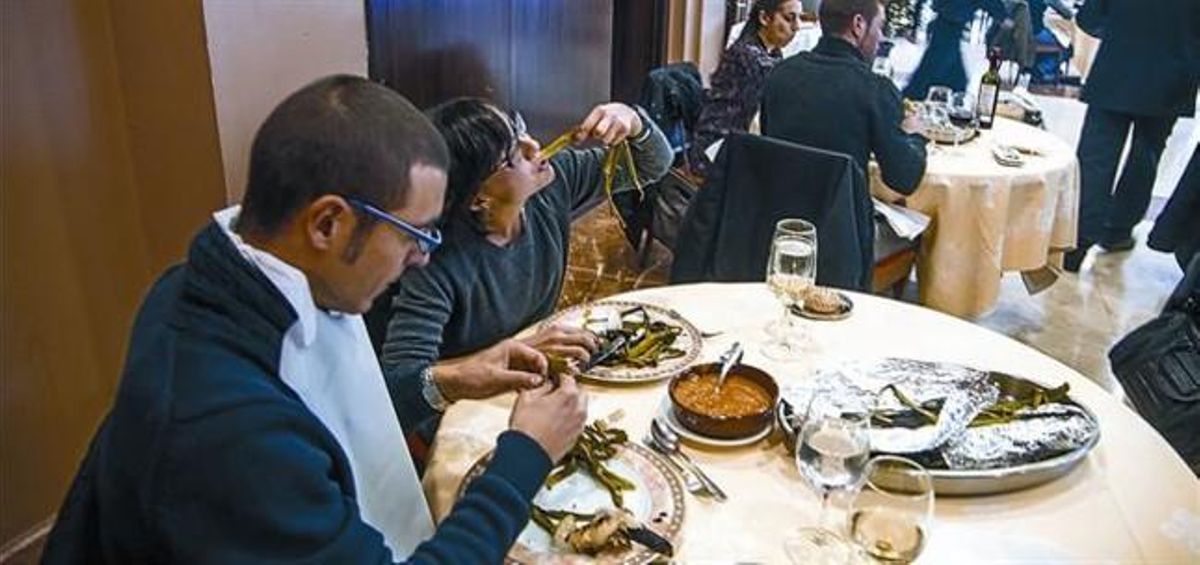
1107	214
942	63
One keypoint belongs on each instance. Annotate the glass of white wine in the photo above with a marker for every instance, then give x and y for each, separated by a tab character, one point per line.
831	453
791	272
891	515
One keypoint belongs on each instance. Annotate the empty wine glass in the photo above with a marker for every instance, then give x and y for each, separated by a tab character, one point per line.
891	515
791	271
831	453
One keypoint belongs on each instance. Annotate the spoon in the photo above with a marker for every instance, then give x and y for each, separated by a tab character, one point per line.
690	482
668	441
729	359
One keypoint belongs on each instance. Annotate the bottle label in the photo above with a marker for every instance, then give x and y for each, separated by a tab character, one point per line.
987	101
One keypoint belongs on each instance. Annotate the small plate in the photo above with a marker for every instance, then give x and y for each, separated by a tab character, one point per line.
656	502
844	312
949	135
668	416
1008	156
689	340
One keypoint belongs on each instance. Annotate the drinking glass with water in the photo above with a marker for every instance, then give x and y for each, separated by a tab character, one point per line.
831	454
791	272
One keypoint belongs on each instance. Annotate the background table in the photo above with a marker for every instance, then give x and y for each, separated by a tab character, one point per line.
987	218
1131	500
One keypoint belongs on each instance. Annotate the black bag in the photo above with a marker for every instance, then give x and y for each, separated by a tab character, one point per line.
1158	364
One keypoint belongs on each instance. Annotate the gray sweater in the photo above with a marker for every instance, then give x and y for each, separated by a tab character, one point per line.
474	294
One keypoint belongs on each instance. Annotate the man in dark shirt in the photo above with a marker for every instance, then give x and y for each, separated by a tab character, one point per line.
829	98
1144	78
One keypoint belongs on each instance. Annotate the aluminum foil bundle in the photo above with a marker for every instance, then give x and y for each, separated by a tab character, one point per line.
1036	435
959	395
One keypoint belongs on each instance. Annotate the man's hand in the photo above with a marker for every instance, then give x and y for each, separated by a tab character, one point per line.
565	341
552	416
610	123
911	123
508	365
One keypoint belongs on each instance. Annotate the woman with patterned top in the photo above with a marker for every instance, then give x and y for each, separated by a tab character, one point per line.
738	81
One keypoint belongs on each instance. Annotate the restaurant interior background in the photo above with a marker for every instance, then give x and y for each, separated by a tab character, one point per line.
127	122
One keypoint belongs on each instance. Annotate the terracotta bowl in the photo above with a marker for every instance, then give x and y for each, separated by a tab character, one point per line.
726	427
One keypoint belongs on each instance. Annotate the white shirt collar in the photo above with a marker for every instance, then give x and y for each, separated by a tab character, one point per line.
290	281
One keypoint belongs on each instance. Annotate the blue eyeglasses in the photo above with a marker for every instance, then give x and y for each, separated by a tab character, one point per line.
427	239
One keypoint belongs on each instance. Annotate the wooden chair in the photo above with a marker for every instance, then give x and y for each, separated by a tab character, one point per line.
892	272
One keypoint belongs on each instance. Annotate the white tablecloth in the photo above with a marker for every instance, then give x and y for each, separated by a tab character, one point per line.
988	218
1131	500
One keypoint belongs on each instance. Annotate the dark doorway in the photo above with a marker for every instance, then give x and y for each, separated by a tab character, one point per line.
551	59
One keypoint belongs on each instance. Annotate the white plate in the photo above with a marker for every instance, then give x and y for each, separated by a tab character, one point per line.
657	502
668	415
688	340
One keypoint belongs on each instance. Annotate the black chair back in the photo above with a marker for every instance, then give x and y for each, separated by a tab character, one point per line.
757	181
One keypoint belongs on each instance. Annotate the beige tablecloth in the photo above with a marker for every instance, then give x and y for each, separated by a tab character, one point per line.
987	218
1131	500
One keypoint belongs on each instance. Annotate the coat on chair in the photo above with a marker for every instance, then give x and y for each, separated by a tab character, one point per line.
757	181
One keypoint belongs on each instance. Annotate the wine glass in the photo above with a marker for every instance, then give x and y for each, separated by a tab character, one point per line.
962	116
791	271
891	515
831	453
939	96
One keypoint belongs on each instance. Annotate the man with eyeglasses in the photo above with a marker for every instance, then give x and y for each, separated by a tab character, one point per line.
252	423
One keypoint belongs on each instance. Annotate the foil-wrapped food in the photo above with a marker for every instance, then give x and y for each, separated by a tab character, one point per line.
950	416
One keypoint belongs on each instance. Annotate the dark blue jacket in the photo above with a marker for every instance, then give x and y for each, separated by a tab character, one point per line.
208	457
1149	58
963	11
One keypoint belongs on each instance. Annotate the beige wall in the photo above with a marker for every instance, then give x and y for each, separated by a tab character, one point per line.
696	31
262	50
108	163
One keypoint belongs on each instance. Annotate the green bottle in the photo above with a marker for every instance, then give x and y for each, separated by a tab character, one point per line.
989	91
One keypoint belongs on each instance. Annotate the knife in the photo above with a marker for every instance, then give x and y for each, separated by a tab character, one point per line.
648	538
604	354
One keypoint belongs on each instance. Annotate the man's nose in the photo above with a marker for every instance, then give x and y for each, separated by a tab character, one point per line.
530	146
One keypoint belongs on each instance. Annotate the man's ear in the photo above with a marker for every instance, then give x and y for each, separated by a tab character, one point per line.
326	220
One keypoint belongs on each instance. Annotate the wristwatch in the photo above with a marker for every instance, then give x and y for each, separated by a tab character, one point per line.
430	391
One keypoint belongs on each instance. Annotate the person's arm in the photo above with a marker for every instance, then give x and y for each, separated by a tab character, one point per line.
417	315
583	178
267	490
901	155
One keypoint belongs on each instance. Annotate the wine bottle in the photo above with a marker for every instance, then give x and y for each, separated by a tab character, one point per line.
989	91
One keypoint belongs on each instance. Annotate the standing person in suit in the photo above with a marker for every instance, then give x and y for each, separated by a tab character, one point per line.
1145	77
942	63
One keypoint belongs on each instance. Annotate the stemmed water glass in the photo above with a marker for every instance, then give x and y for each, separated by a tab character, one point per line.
791	272
891	515
831	453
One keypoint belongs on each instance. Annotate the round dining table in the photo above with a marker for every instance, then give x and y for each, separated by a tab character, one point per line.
988	218
1130	500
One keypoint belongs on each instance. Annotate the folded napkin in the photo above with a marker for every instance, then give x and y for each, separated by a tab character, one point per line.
907	223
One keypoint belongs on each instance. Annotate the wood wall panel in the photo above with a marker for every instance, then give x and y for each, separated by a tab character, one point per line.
108	163
549	59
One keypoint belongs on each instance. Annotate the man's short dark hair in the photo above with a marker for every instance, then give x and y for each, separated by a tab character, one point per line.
837	15
339	135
